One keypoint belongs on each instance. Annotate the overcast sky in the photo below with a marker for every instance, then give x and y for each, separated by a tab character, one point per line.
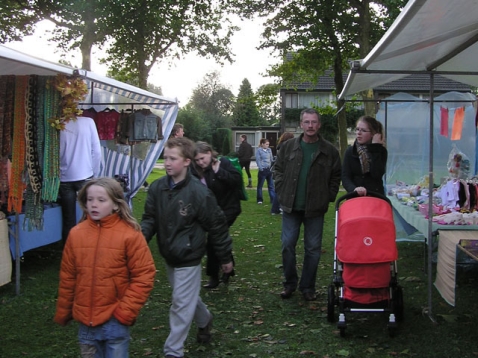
183	76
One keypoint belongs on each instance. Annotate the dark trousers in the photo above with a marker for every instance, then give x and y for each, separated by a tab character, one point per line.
213	264
246	165
68	192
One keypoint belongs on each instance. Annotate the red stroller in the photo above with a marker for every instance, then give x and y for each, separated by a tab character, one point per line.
365	268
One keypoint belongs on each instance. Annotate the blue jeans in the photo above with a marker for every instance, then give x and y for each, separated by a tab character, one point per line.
109	340
68	193
262	176
275	205
313	228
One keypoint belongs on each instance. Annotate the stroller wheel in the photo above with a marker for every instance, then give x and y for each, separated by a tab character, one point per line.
392	331
331	303
398	303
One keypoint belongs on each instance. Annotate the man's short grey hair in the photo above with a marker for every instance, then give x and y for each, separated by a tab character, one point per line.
309	111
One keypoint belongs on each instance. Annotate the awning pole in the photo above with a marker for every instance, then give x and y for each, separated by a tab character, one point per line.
430	204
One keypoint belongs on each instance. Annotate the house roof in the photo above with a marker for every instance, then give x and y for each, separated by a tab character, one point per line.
411	83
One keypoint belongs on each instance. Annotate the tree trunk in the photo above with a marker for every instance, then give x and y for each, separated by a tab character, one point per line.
89	38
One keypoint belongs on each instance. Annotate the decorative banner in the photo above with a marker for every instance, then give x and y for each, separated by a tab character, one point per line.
458	123
444	121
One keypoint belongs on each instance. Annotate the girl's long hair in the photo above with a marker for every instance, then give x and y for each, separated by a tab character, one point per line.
203	148
115	192
285	137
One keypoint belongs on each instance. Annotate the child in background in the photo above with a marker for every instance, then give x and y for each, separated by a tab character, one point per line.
107	271
182	213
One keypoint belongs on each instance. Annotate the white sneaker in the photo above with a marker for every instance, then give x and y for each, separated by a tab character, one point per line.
259	202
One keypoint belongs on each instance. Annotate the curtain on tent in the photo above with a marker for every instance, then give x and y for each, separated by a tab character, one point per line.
407	132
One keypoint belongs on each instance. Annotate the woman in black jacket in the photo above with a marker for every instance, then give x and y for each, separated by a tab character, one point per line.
365	162
225	181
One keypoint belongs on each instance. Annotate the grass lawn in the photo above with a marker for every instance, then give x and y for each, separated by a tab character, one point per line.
250	319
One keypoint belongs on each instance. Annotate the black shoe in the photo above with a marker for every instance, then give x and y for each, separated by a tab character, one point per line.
309	296
226	276
287	293
204	335
213	283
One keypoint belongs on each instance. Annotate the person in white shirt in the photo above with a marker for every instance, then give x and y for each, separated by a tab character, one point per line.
80	160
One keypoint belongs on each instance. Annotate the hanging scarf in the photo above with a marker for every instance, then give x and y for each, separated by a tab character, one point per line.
3	180
31	133
33	205
6	147
3	159
51	155
15	195
3	93
364	157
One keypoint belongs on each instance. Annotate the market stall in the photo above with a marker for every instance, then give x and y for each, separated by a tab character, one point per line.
36	223
428	37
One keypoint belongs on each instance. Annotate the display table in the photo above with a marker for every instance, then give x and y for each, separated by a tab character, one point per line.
449	237
420	222
52	225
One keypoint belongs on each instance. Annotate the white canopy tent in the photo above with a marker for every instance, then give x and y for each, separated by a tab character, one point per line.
428	37
103	92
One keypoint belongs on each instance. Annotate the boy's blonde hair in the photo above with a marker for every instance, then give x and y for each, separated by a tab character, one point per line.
186	146
115	192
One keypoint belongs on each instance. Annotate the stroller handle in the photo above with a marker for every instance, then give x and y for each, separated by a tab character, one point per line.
353	194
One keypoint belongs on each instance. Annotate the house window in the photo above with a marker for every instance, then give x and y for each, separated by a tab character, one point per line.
291	100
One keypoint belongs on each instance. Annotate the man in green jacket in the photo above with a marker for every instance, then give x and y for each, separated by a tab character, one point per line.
307	178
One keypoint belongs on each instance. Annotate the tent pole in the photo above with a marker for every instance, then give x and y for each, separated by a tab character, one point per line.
17	254
430	203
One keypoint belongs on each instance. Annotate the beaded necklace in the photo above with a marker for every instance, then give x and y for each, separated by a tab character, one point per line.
33	205
51	156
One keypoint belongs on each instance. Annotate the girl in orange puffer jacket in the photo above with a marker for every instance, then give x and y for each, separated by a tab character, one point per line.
107	271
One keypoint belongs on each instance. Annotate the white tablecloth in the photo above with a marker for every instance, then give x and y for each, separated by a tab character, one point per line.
446	265
5	257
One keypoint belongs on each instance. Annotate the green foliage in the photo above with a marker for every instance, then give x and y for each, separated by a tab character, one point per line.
212	97
268	103
195	126
148	31
139	32
17	20
212	102
315	36
221	140
245	110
